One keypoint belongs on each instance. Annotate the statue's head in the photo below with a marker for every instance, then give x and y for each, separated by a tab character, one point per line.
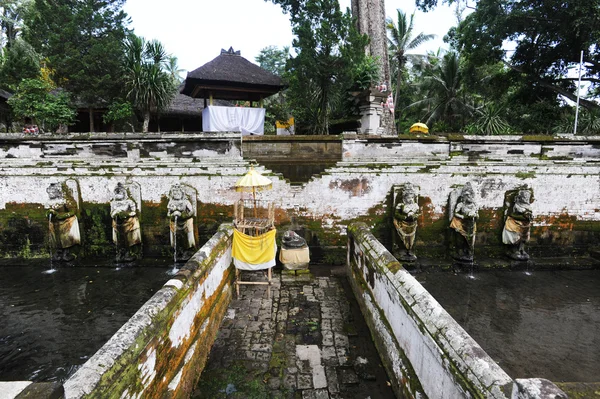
523	197
176	192
409	195
120	192
468	194
55	191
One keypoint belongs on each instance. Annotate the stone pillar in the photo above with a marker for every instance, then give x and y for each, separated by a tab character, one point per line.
370	16
372	113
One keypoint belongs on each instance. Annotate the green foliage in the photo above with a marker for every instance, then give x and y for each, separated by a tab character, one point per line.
445	98
83	42
19	61
366	73
327	44
34	99
588	123
489	121
273	59
548	38
402	40
120	113
150	87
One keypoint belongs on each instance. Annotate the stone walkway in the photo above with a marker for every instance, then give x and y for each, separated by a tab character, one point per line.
308	341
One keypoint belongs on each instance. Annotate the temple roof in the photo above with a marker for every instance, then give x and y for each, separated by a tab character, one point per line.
231	77
185	105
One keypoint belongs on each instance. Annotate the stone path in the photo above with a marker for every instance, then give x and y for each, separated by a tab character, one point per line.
308	341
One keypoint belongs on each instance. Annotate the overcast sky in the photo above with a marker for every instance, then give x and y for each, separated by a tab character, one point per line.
195	31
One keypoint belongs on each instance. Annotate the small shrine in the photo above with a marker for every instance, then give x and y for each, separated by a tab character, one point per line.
232	77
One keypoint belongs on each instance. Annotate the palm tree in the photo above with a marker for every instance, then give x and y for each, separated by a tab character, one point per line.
149	86
444	92
401	41
174	70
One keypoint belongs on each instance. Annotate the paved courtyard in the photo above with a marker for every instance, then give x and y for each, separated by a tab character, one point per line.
308	340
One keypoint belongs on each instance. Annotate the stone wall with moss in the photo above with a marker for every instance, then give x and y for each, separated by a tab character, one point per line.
161	351
562	171
424	350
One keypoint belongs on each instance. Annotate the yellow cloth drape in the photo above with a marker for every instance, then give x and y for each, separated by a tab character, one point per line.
254	250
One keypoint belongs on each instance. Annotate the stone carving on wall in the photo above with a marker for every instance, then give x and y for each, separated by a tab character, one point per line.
181	211
517	221
124	211
63	224
294	253
463	220
406	213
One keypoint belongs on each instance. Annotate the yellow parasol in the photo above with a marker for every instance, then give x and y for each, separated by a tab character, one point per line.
253	182
419	128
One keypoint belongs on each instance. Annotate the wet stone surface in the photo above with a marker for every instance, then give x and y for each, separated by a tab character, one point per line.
308	341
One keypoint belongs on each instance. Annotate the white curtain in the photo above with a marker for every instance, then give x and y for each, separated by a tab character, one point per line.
233	119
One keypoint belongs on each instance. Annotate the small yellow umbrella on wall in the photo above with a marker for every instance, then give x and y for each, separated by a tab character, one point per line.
419	128
252	182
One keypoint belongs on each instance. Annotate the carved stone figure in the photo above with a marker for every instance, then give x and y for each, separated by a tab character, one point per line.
125	223
406	213
294	253
63	224
463	220
180	212
292	240
517	222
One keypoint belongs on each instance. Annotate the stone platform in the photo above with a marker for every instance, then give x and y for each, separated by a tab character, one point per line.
308	341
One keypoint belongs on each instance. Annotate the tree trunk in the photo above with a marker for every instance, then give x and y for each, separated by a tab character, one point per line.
146	121
91	113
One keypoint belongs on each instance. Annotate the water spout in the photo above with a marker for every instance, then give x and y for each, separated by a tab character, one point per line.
174	270
52	269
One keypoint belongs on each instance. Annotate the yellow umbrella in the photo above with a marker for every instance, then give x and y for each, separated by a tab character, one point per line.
253	182
419	128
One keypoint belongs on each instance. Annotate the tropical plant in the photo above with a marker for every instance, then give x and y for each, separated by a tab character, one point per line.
39	101
489	121
11	20
444	94
327	45
588	123
19	61
173	69
401	41
149	86
83	43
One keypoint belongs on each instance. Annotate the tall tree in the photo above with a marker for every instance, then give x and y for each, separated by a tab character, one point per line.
401	41
548	37
19	61
150	87
11	20
327	44
445	99
273	59
83	42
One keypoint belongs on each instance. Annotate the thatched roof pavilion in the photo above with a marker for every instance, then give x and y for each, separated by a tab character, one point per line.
231	77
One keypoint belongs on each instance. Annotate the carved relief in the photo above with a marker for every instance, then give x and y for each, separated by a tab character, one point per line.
181	210
463	220
517	221
63	224
124	211
406	213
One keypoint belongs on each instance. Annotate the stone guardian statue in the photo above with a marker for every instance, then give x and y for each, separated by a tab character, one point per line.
463	220
63	224
406	213
125	223
517	221
181	212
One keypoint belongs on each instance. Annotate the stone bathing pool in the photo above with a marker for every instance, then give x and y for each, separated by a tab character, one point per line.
537	324
51	323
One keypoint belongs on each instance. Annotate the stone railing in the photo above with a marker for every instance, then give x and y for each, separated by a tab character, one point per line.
425	351
161	351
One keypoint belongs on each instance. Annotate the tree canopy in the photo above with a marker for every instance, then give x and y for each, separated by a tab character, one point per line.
83	42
